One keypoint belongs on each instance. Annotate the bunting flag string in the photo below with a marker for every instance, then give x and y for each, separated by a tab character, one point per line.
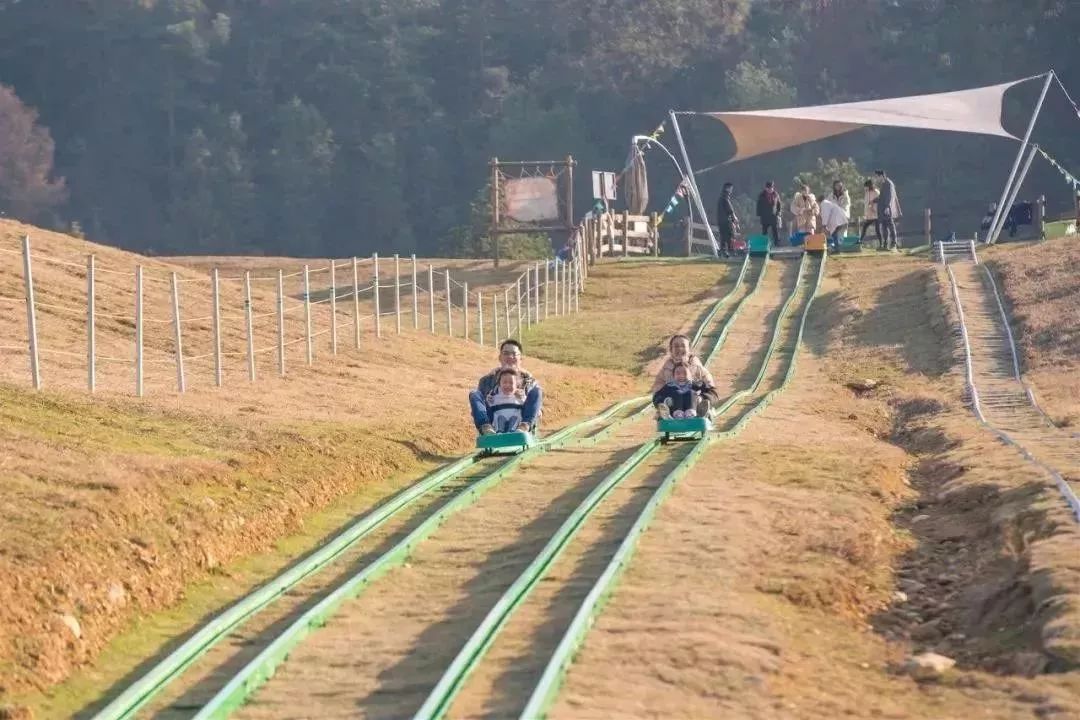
673	203
1069	177
1068	97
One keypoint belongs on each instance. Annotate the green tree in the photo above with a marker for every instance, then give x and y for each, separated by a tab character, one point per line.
821	178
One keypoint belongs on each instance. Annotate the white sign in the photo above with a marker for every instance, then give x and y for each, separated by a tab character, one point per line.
603	185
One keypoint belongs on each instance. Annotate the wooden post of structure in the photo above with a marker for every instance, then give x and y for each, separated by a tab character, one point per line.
431	297
31	312
180	384
375	287
250	324
216	302
625	233
928	227
91	334
449	307
415	297
333	307
356	302
654	233
1040	208
138	331
281	318
307	315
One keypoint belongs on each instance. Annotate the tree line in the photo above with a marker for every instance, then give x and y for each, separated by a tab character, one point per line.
344	127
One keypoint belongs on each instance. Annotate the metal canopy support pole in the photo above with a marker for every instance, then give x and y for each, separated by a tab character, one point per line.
693	183
995	225
1016	186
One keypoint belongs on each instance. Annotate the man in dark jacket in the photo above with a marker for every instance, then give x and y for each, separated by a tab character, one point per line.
727	220
768	210
509	359
888	209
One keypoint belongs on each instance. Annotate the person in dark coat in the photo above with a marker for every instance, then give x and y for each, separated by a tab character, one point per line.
888	203
727	220
768	211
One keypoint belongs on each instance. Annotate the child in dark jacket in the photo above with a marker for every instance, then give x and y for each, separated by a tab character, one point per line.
679	398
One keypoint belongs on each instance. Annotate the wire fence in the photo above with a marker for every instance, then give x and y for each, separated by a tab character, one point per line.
158	323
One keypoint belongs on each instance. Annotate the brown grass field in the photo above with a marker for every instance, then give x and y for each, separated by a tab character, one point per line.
788	576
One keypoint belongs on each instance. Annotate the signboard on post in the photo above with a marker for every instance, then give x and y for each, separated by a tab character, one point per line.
603	185
530	197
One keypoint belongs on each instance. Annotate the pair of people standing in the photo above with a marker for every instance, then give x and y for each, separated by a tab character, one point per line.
881	207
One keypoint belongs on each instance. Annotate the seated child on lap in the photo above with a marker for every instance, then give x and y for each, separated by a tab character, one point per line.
506	403
678	398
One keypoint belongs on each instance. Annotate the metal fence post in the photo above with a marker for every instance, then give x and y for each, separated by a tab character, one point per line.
536	292
138	331
518	297
281	322
215	291
91	339
397	292
480	317
431	297
495	317
180	384
506	312
307	315
356	302
375	285
31	314
449	307
415	297
333	307
250	324
465	309
547	289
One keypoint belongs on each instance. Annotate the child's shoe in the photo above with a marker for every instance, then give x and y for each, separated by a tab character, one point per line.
691	413
663	412
487	429
678	414
524	427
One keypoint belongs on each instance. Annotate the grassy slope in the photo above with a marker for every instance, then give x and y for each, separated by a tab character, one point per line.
138	517
1041	284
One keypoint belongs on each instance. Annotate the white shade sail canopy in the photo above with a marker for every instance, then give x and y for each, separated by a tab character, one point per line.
977	111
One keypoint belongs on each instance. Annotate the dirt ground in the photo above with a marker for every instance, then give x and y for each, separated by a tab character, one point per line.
863	518
1041	284
795	569
117	509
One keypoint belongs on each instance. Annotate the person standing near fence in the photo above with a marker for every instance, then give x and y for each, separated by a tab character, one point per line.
870	196
805	208
768	211
888	203
727	220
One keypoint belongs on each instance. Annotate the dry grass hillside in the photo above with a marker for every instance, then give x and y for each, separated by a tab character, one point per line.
116	507
1041	284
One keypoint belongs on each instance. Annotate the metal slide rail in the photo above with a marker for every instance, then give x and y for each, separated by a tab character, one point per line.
551	680
262	667
1063	486
451	682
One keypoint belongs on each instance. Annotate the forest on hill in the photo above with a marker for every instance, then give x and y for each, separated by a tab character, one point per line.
342	127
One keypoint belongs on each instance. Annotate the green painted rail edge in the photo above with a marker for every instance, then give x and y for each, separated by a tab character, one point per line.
735	313
442	696
551	680
262	667
719	303
150	684
438	702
